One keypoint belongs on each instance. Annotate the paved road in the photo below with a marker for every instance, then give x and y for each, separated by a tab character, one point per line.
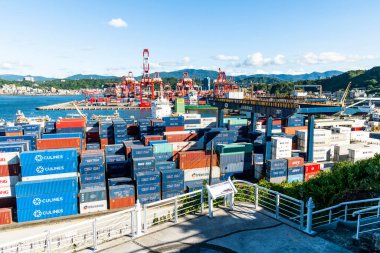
241	230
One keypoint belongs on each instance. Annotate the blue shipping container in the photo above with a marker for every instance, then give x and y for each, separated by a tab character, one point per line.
52	155
93	185
43	200
38	187
296	170
149	188
121	191
115	158
31	138
39	169
92	194
139	152
277	164
171	175
170	194
149	198
173	186
165	165
119	181
92	178
90	169
47	212
147	177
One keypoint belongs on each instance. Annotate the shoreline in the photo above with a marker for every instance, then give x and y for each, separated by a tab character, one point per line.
38	95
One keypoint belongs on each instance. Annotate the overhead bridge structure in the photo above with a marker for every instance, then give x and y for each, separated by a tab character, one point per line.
277	107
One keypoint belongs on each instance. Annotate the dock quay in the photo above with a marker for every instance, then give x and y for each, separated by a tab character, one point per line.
74	105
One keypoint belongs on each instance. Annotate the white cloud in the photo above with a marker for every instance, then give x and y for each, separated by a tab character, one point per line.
333	57
186	59
222	57
7	65
117	23
279	59
13	65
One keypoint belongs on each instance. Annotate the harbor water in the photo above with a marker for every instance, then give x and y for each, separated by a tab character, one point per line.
9	105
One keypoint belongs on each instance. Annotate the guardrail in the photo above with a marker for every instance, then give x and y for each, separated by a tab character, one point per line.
341	212
134	221
280	206
367	221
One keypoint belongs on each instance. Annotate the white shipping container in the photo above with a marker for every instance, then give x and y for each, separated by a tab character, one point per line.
321	154
191	116
373	123
9	158
318	134
193	126
208	125
8	181
187	145
235	95
94	206
356	154
179	132
358	123
208	119
340	137
7	191
373	141
359	135
341	130
51	176
281	142
201	173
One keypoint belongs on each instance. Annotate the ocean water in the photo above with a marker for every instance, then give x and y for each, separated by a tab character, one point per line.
28	104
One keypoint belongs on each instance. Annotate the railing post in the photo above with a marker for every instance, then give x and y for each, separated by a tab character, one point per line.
48	241
232	200
256	196
330	216
138	218
176	210
302	208
309	221
94	236
277	205
145	225
133	214
345	212
210	206
202	201
378	209
358	227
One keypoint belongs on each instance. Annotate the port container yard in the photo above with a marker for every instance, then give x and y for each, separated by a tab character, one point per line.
77	166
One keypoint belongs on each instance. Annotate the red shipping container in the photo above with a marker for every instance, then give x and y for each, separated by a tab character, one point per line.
292	130
9	170
148	138
295	161
8	202
121	202
5	216
174	128
195	159
310	175
58	143
181	137
70	123
312	167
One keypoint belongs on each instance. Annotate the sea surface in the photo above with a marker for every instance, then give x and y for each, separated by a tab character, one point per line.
9	105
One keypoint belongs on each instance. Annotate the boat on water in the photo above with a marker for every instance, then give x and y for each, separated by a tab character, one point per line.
38	120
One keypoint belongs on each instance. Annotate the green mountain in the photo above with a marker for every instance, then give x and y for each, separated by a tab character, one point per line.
94	77
8	77
368	79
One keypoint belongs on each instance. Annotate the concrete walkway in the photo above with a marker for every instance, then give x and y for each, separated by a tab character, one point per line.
240	230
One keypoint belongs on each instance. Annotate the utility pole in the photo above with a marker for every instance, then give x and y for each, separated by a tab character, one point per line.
211	160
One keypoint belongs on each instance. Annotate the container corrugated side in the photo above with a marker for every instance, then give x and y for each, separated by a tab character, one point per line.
43	200
38	169
92	178
148	188
47	212
92	194
172	175
149	198
43	156
147	177
121	191
24	189
173	186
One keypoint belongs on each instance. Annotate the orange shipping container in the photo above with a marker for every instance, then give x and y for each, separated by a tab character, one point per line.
195	159
292	130
9	170
58	143
121	202
14	134
295	161
103	143
5	216
174	128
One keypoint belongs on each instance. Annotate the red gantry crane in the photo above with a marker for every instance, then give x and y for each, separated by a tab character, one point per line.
224	84
157	80
145	81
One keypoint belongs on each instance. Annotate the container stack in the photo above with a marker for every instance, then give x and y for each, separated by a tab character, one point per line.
240	125
276	170
295	169
174	123
356	154
106	133
163	152
92	135
149	138
66	140
296	120
172	182
13	131
72	126
116	162
321	144
44	199
29	139
142	159
231	159
148	186
219	136
32	130
158	126
192	121
9	176
281	147
93	193
121	193
49	127
144	128
120	130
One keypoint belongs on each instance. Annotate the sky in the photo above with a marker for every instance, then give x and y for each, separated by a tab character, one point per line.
62	38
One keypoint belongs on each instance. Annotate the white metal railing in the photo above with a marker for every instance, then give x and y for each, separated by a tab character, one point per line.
134	221
341	212
367	221
281	206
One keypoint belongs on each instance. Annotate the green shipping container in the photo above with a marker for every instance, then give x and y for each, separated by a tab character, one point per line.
162	148
232	148
179	105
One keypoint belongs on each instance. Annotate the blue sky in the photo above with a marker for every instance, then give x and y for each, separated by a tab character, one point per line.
61	38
